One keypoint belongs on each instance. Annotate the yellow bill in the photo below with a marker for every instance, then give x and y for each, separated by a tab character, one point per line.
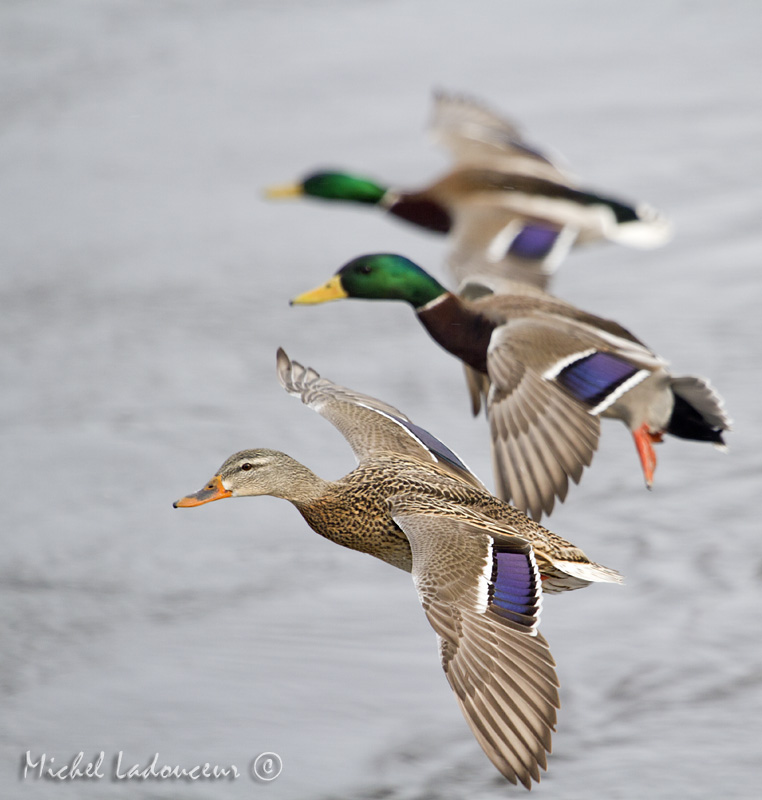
333	290
283	191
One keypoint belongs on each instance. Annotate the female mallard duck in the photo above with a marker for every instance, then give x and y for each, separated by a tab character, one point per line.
548	371
479	565
509	209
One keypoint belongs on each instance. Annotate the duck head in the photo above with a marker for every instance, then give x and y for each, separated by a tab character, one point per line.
378	276
332	186
252	473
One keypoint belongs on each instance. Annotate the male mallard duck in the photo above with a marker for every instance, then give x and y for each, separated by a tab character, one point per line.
509	209
479	565
548	371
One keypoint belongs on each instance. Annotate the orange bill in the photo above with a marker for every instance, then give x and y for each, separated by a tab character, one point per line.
214	490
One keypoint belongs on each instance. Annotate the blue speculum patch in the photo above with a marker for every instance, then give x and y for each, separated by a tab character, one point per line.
440	450
593	378
533	242
514	586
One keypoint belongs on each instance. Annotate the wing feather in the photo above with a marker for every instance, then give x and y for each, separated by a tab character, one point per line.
540	435
498	665
370	426
477	136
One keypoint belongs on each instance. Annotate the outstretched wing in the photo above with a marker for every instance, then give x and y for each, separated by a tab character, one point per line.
476	136
540	437
551	379
492	242
370	426
481	590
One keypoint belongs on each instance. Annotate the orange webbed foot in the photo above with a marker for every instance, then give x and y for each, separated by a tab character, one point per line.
644	441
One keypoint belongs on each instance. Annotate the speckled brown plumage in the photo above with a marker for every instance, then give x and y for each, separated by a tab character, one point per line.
478	564
354	512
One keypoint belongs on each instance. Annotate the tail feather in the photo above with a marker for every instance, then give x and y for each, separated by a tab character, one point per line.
635	226
590	571
648	229
699	411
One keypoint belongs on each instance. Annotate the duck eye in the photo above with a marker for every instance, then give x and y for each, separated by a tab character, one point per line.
246	466
365	269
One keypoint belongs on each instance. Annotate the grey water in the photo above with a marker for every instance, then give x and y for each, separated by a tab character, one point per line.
144	288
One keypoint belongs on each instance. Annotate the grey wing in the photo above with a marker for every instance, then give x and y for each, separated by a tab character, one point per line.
370	426
480	588
475	135
478	385
475	287
540	435
479	285
490	242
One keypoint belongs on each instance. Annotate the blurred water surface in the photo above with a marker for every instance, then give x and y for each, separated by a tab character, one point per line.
144	286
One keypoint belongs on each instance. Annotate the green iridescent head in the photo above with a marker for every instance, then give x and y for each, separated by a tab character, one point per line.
379	276
333	186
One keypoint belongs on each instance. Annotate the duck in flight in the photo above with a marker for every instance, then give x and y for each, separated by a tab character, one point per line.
479	565
546	372
509	210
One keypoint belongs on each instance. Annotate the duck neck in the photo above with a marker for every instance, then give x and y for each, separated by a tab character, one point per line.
304	487
418	210
459	329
